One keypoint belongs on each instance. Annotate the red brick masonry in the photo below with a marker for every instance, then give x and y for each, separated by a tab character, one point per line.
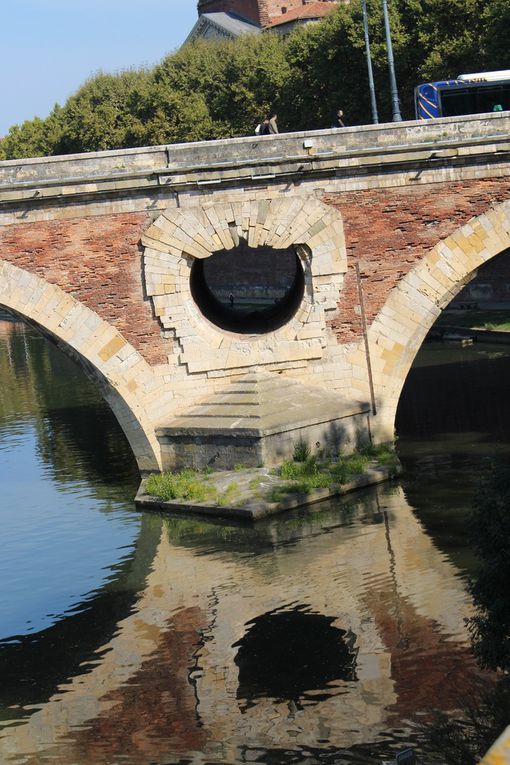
97	260
388	230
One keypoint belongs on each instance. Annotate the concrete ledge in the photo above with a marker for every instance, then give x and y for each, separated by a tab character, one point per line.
254	508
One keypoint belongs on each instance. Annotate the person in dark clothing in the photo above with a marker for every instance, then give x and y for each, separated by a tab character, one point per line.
269	125
338	122
263	128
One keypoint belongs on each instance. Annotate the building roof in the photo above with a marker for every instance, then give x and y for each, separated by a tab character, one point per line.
309	11
224	23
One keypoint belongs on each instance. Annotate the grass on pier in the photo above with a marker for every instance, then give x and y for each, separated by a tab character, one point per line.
299	475
306	472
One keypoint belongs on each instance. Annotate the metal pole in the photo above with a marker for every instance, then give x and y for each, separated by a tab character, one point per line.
397	117
373	102
365	337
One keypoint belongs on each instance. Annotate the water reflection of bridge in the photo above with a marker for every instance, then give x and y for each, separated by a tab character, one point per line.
167	681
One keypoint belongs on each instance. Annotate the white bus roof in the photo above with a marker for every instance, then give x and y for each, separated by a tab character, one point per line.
503	74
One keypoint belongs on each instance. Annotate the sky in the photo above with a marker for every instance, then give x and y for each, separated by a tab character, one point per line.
50	47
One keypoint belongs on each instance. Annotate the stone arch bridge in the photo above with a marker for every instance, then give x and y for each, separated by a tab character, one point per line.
107	253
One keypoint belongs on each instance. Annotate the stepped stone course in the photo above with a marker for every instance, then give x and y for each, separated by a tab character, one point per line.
259	418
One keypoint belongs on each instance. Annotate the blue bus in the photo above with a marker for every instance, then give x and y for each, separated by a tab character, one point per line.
475	93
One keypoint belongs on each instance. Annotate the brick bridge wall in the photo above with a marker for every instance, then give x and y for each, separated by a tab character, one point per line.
97	260
387	231
97	249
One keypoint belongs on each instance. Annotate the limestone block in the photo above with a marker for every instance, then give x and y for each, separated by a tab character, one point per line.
111	348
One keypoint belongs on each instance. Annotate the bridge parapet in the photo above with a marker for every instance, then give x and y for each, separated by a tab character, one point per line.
349	152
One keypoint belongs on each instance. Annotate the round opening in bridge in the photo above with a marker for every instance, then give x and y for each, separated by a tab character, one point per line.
248	290
294	655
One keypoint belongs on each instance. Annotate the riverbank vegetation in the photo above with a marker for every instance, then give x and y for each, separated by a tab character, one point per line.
187	485
221	89
492	320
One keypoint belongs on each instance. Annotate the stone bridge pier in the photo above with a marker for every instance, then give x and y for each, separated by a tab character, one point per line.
232	298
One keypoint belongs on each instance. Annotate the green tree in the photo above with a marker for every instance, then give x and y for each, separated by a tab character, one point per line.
104	113
449	35
36	137
233	83
321	72
496	34
221	89
329	68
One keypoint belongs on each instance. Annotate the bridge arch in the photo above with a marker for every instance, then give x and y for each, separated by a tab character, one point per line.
413	306
119	371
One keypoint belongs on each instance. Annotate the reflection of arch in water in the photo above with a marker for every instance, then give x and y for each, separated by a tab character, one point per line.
388	585
119	371
413	306
293	654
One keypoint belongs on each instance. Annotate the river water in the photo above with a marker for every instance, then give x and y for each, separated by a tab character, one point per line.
318	636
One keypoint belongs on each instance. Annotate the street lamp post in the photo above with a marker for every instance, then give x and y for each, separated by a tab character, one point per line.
373	102
397	117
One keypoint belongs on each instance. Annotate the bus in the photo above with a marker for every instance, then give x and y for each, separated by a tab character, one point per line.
475	93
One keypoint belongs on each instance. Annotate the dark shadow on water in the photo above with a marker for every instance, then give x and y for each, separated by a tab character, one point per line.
467	396
102	452
294	655
78	435
452	419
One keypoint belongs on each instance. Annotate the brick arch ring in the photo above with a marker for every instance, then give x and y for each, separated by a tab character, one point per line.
181	235
119	371
413	306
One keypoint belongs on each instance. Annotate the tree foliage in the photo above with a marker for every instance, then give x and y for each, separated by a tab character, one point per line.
104	113
482	716
34	138
222	89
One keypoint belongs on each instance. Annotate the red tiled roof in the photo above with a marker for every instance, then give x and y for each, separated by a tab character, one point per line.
308	11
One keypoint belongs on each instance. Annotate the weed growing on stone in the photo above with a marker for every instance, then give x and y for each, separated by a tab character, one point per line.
384	454
303	476
301	451
296	476
228	496
186	484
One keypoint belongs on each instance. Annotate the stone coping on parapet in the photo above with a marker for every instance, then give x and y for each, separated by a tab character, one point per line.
249	505
216	154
